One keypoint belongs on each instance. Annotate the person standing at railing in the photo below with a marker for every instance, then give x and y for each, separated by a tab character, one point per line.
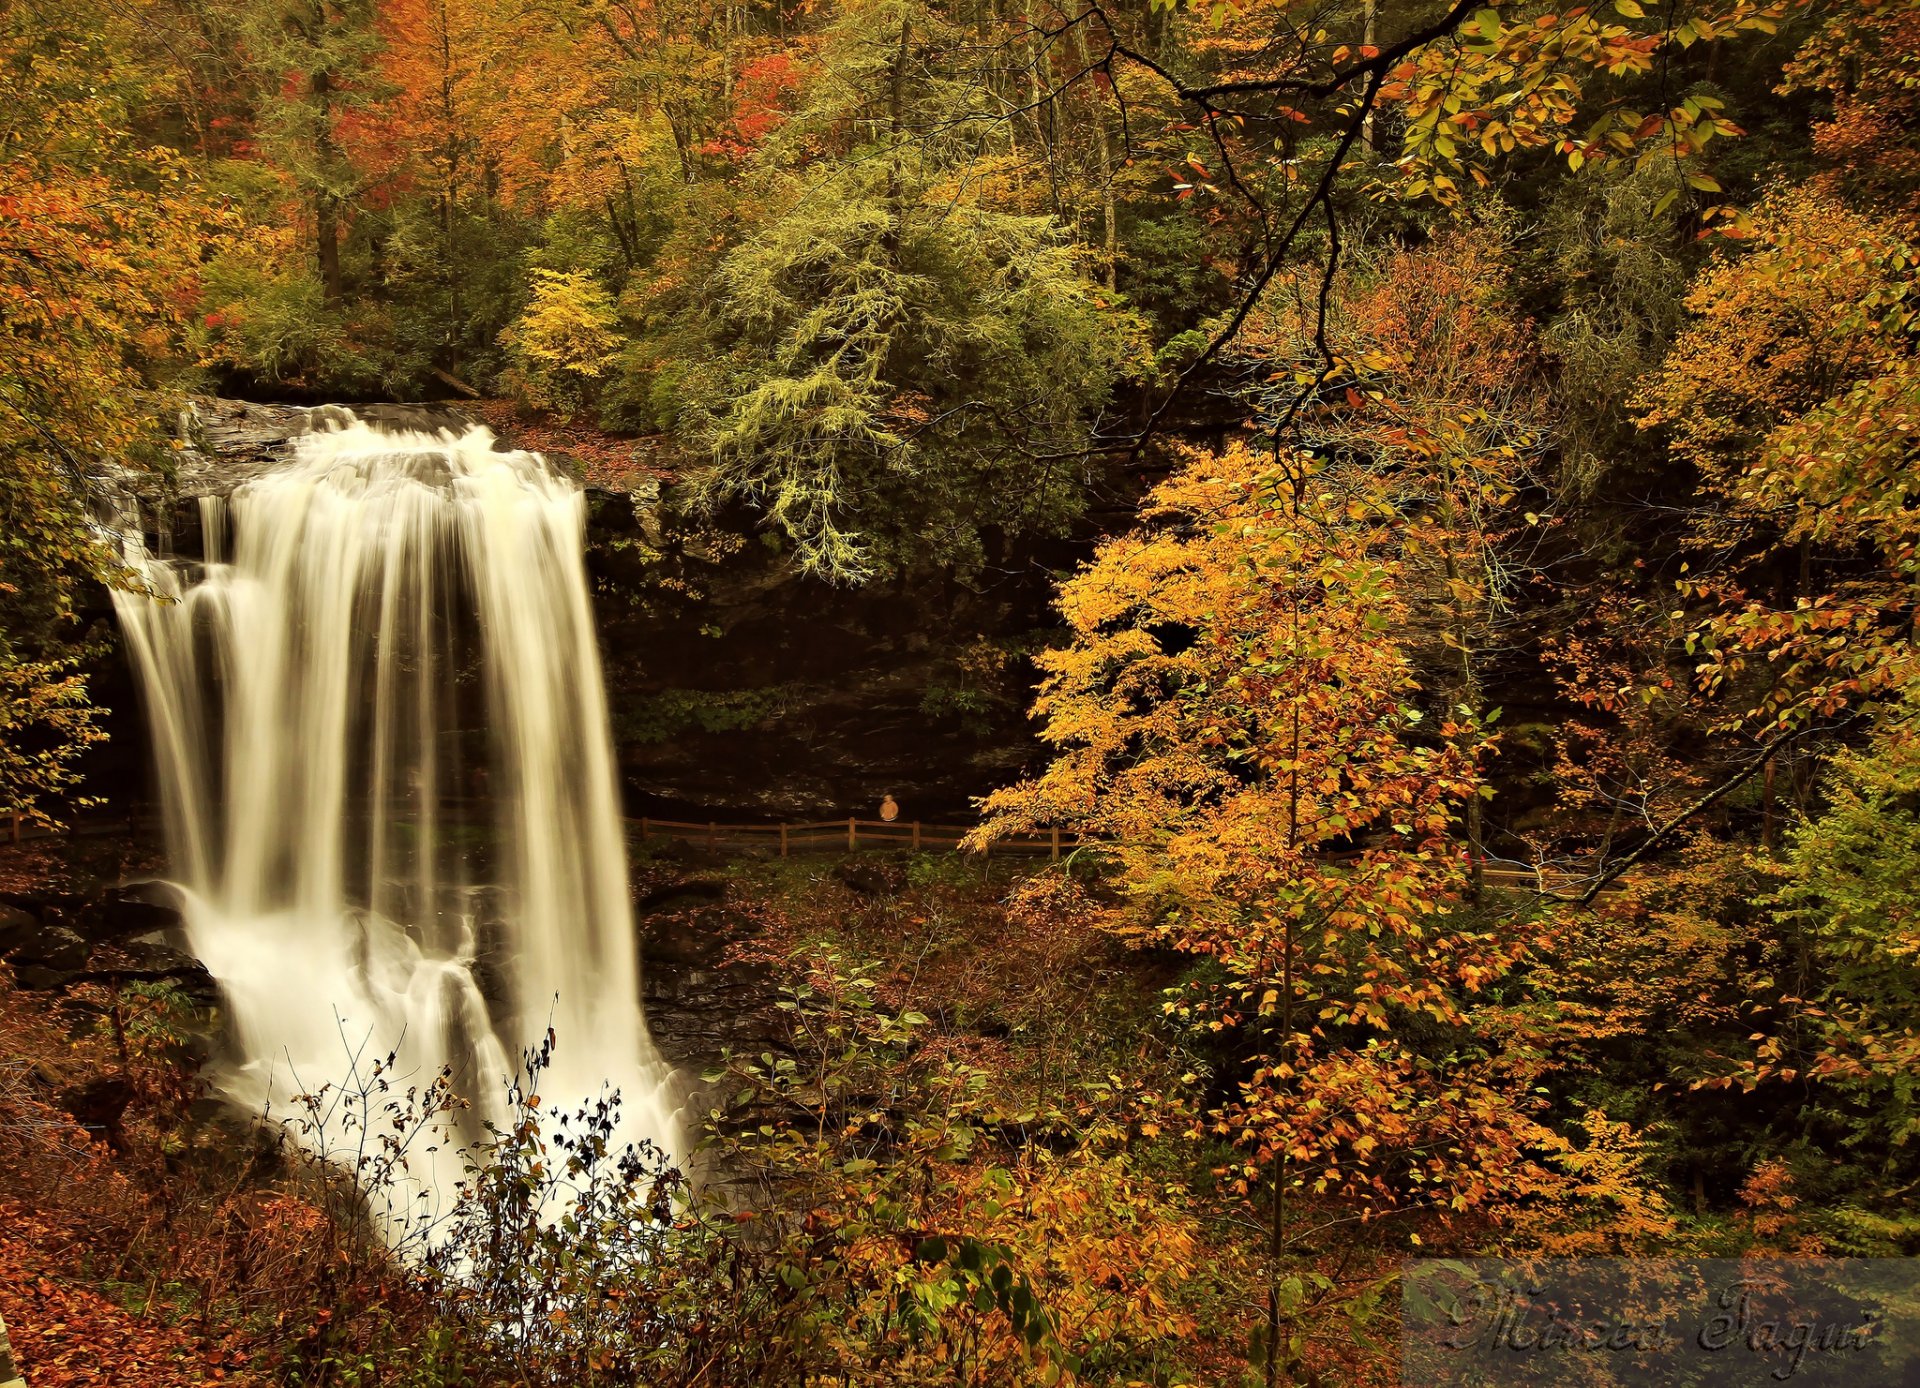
889	808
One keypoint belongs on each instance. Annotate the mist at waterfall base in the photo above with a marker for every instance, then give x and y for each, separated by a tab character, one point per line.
388	788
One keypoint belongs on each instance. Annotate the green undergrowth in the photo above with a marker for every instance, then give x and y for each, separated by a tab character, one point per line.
1056	1009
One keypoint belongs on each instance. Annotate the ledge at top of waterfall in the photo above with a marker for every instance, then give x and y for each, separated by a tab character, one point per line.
388	785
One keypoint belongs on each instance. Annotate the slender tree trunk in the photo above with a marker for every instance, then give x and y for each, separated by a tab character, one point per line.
326	206
1477	879
326	220
1463	628
1040	106
450	194
1277	1234
1366	38
1103	153
1278	1369
1001	82
896	127
1109	213
1766	810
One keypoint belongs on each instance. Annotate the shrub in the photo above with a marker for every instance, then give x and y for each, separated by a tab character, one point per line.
563	345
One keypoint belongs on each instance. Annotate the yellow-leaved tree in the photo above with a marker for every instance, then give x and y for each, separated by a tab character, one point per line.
1236	719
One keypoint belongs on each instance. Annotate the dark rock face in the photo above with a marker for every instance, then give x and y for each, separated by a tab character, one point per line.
743	689
700	1002
121	934
140	908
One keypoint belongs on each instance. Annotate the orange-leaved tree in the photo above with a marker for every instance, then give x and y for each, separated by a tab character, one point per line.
1237	721
100	239
1795	393
1436	402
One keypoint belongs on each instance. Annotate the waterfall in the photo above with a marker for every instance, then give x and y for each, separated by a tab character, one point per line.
387	781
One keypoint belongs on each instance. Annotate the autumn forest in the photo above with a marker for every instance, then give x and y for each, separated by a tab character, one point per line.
1386	537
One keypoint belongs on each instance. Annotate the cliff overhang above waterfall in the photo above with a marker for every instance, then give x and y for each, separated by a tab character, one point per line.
739	687
225	443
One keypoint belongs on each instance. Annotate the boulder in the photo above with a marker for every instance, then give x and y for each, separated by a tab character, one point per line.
16	928
869	878
118	913
52	947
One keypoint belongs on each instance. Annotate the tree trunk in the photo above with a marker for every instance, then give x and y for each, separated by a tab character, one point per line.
326	223
326	207
1477	879
1366	40
1279	1368
1103	153
896	123
1766	811
1040	107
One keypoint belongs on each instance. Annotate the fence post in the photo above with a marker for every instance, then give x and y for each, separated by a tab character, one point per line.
853	834
713	835
1056	844
646	829
783	840
916	836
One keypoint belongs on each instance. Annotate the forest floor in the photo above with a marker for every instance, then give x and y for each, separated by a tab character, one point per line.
121	1241
617	462
1040	1002
65	1330
92	1197
162	1245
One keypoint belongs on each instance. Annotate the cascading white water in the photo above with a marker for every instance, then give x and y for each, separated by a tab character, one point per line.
388	784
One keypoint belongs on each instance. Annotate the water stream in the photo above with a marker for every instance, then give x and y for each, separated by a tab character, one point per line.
388	787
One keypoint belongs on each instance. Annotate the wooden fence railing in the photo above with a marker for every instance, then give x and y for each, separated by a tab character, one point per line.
827	835
18	828
850	834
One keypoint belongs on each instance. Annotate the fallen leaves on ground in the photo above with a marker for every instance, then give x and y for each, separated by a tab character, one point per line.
66	1333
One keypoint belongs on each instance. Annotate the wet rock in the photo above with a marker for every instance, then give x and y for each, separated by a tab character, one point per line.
144	908
681	893
870	878
16	928
52	947
121	935
228	442
154	961
431	417
101	1106
699	1001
